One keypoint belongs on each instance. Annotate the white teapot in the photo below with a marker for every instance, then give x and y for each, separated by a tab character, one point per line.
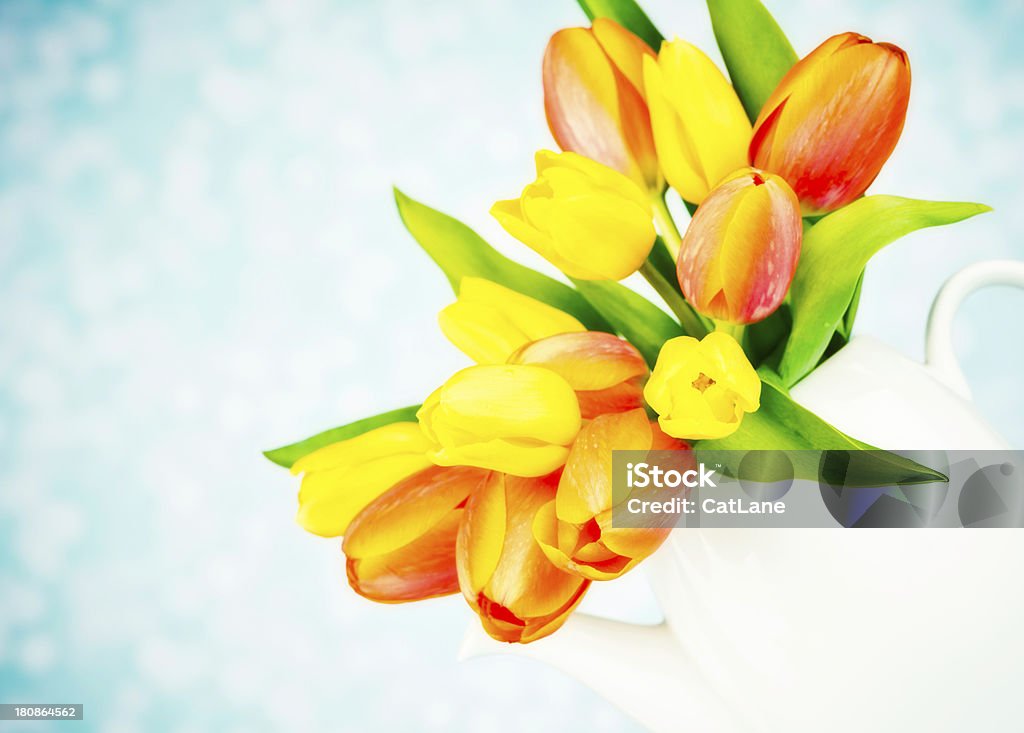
810	630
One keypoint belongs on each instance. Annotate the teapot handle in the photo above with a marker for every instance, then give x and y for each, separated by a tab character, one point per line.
939	351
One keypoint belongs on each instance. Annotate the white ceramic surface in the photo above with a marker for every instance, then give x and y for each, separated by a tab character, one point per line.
812	630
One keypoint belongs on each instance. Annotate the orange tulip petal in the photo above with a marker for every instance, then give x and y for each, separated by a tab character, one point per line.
590	360
409	509
585	489
581	98
525	596
740	250
424	568
620	398
593	101
834	120
482	536
625	49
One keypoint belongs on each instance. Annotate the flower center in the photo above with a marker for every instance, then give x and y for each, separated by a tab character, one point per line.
702	382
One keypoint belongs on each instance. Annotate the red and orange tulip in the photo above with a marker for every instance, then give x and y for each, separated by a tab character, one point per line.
401	547
605	371
740	250
504	574
834	120
575	530
594	98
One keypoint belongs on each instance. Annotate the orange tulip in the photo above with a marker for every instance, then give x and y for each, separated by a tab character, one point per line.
401	547
594	98
740	250
575	530
605	371
504	575
834	120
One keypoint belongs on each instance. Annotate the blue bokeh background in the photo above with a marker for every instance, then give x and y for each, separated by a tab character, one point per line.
200	259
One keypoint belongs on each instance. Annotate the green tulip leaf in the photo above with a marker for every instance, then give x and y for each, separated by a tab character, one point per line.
287	455
627	14
638	320
756	51
782	424
835	252
461	252
845	327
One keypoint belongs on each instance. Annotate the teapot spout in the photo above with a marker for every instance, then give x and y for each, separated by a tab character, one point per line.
640	669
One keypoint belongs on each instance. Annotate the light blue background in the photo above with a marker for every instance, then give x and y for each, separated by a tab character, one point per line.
199	259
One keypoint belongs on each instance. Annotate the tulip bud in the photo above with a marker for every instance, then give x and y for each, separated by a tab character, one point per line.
401	547
701	132
588	220
604	370
504	575
488	321
342	478
834	120
594	98
575	530
739	253
512	418
701	389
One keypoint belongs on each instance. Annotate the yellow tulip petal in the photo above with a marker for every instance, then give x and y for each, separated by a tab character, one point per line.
489	321
518	458
506	402
399	437
587	219
700	129
701	390
328	500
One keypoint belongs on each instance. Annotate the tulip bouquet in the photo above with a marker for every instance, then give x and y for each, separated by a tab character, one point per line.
498	486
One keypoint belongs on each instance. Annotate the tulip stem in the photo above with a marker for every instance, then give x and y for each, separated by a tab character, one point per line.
689	319
667	226
733	329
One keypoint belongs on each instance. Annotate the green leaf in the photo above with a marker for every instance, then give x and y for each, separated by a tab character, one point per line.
782	424
627	14
763	341
835	253
662	261
756	51
639	321
845	328
461	252
287	455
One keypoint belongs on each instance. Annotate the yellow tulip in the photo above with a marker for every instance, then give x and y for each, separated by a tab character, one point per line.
401	547
504	575
489	322
701	389
511	418
701	132
588	220
342	478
